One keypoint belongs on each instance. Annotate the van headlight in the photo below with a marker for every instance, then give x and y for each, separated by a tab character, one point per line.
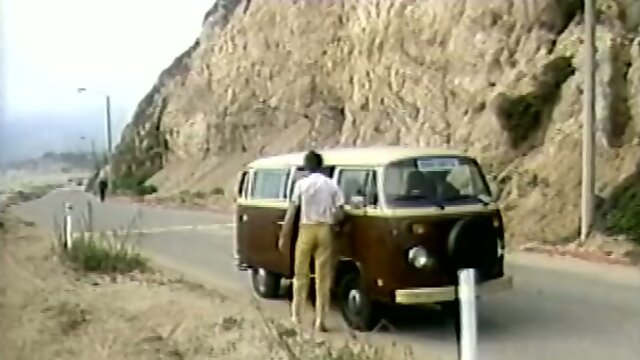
419	258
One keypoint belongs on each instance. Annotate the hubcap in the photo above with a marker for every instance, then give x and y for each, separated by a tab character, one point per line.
262	276
354	299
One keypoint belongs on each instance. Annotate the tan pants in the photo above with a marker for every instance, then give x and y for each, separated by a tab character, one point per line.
313	241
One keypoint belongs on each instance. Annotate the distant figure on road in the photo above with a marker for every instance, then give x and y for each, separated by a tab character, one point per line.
320	201
103	182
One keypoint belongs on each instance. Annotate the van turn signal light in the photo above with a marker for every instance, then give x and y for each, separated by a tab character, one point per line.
418	229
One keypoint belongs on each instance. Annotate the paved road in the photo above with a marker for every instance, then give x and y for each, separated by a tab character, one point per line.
559	309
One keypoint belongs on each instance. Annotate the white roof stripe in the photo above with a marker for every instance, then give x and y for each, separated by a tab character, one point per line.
367	156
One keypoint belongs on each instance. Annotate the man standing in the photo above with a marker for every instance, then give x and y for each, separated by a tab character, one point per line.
103	182
320	201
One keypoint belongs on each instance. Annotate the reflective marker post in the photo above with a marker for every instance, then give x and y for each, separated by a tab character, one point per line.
67	225
468	315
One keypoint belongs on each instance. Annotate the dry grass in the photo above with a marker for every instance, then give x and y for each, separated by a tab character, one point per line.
103	254
50	312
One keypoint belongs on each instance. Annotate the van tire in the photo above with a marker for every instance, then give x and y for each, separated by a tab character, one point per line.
467	250
266	284
358	310
450	308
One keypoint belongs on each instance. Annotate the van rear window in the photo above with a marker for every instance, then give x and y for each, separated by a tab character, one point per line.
269	184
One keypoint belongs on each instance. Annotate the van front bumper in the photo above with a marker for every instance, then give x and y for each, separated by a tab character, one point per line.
448	293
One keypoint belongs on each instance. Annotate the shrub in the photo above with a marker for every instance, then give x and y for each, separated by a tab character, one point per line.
70	316
199	195
568	11
624	216
100	254
186	196
143	190
133	186
32	193
522	115
217	191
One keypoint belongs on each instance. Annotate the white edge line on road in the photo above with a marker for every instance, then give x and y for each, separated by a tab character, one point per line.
157	230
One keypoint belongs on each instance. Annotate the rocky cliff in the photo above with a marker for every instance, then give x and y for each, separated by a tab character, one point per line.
501	79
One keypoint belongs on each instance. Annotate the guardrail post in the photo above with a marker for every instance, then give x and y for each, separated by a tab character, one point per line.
468	315
67	224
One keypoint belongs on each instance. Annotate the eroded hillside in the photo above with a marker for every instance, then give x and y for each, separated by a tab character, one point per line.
498	78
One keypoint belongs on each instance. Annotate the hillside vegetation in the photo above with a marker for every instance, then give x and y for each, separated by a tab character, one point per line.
501	79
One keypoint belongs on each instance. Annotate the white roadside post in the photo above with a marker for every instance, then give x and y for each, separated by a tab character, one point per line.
67	223
468	316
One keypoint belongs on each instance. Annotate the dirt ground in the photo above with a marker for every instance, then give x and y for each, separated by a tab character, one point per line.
48	311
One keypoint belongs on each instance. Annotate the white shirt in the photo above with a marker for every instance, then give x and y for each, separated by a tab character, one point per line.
319	197
104	173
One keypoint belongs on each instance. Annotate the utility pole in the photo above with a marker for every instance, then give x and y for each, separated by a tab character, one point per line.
109	138
108	130
94	156
589	109
109	143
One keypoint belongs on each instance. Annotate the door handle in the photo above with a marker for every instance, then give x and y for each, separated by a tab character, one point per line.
281	222
244	217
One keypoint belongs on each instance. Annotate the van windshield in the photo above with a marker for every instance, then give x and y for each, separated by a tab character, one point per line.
434	181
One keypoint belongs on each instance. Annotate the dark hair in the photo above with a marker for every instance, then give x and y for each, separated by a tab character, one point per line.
313	161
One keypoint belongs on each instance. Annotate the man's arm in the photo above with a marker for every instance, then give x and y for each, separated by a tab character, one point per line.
338	202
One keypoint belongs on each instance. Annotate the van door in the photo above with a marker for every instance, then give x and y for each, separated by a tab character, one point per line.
361	235
266	208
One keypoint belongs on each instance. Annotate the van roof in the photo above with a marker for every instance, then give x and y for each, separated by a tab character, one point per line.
355	156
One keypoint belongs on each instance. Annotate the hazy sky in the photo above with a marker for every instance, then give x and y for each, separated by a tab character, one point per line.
118	47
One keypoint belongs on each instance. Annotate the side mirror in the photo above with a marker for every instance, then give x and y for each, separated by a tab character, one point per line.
241	179
356	202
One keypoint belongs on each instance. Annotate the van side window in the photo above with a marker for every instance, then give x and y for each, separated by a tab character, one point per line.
269	184
357	182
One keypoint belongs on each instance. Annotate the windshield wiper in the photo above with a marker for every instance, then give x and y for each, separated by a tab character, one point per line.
483	201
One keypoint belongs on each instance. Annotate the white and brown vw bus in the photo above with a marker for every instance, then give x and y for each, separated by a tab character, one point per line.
414	218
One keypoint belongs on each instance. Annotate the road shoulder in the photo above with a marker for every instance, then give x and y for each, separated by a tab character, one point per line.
53	310
620	274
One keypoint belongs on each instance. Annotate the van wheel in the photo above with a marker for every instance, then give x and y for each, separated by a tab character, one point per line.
358	310
265	283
